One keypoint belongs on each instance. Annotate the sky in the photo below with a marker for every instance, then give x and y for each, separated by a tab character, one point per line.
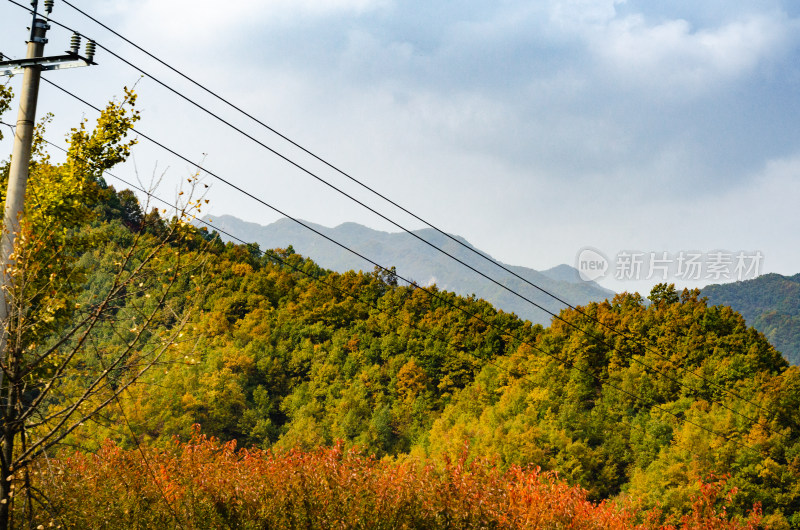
539	131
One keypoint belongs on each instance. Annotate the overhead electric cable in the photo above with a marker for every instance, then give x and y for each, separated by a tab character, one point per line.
257	199
630	356
295	164
567	363
347	175
411	283
499	284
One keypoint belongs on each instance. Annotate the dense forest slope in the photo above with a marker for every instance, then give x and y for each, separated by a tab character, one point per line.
131	329
425	265
626	399
769	303
280	353
284	354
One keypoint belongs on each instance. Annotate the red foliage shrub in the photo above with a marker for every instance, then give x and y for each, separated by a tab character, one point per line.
208	484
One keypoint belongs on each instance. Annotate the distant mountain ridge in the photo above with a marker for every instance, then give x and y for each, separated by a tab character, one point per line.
769	303
423	264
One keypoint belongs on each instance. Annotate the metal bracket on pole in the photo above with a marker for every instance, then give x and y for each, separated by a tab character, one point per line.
58	62
38	23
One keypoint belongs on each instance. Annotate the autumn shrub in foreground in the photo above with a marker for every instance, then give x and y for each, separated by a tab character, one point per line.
208	484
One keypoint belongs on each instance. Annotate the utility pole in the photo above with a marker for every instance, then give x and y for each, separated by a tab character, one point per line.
18	171
15	196
20	158
31	68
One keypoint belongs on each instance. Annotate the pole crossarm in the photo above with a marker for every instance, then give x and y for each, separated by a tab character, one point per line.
57	62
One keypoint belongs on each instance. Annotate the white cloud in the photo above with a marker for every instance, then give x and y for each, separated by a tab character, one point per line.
560	124
571	14
672	55
203	18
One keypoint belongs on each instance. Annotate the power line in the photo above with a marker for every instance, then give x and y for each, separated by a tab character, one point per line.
337	169
627	337
631	357
567	322
410	323
431	293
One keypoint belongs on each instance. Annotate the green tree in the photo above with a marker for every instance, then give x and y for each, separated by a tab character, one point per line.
663	293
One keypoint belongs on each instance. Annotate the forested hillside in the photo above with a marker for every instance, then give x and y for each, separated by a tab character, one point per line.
279	353
285	355
136	334
769	303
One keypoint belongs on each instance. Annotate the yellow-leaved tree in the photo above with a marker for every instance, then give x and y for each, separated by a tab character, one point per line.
92	303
